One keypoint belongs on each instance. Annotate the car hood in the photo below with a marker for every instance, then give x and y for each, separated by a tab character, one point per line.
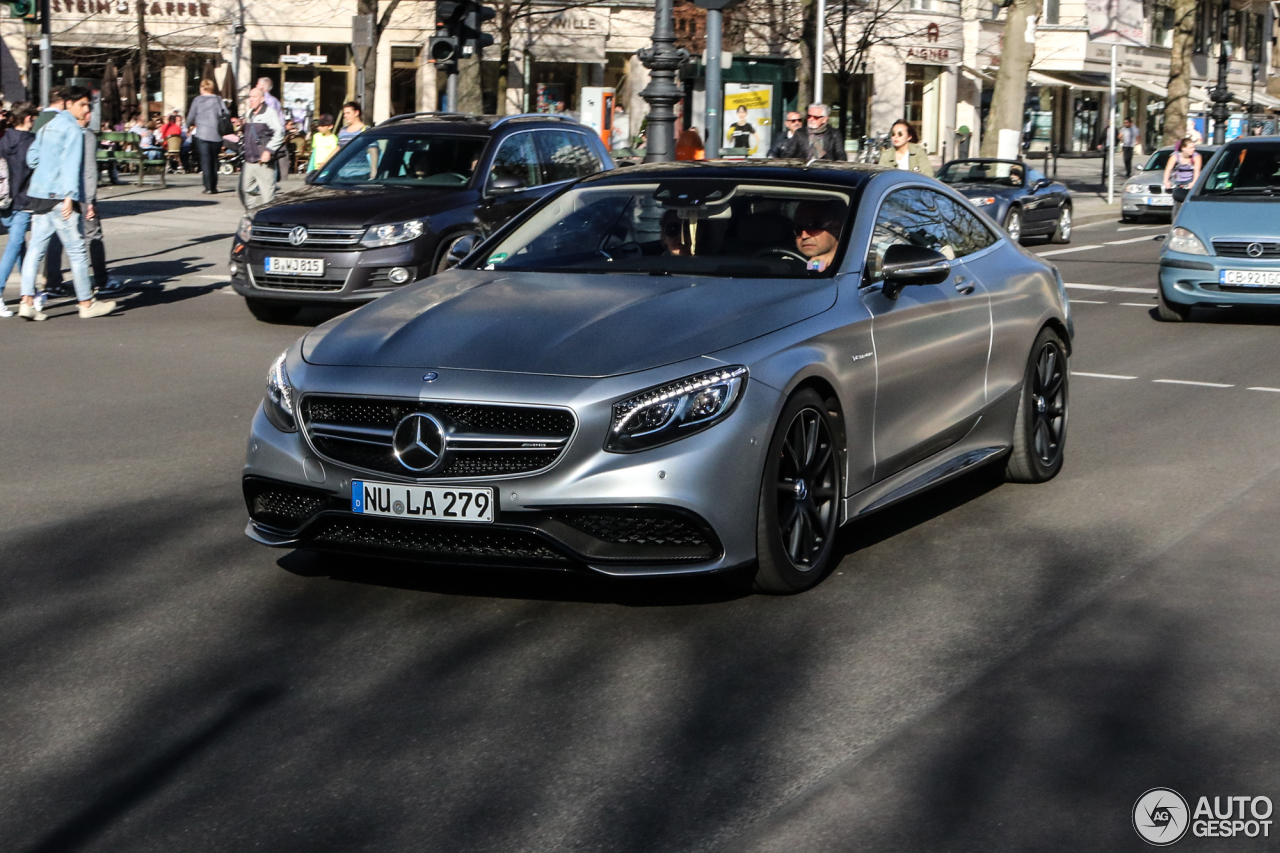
562	325
352	206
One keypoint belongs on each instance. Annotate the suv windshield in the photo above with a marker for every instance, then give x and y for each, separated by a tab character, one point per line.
682	227
1251	168
403	159
982	172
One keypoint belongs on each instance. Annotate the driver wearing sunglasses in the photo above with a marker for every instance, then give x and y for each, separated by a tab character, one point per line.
817	229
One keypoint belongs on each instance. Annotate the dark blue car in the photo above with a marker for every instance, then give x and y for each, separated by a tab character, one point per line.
1016	196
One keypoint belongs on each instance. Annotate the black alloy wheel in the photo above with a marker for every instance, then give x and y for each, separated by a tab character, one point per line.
1062	233
800	497
1040	429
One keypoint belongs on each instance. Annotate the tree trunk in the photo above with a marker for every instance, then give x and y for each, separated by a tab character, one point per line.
470	98
367	60
1179	97
1008	102
808	35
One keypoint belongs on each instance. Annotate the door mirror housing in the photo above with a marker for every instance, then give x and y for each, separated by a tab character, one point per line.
1180	194
505	185
905	265
461	247
310	177
1041	184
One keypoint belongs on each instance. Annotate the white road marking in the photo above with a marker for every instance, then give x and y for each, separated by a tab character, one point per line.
1065	251
1101	375
1089	302
1260	388
1138	304
1130	240
1139	227
1189	382
1110	288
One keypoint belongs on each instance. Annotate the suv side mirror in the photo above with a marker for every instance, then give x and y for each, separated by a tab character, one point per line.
905	265
1180	194
461	247
505	185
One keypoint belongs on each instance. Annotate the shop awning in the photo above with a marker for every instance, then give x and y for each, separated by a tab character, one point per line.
1081	81
1146	86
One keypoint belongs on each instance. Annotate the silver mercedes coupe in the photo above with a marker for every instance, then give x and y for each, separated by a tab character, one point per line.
672	369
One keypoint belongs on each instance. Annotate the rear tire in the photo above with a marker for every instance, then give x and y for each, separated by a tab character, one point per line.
1171	312
272	312
799	509
1040	429
1062	234
1013	224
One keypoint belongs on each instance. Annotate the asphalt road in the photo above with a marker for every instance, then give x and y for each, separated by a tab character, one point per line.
989	668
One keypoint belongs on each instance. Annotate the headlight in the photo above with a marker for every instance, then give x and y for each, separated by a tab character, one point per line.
279	402
245	230
1182	240
1133	188
984	200
390	235
672	411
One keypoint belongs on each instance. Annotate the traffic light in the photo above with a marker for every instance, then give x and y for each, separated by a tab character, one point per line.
442	48
473	17
28	9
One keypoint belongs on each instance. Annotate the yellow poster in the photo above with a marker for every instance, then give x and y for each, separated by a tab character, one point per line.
748	116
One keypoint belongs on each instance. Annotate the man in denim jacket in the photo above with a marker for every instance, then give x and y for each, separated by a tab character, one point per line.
57	156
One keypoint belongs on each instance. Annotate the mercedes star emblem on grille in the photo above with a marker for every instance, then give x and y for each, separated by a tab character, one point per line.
1254	250
298	236
419	442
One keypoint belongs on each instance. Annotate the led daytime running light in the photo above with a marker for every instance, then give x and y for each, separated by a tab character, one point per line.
675	391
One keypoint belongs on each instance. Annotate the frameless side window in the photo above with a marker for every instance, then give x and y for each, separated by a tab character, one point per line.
909	216
565	156
966	232
516	158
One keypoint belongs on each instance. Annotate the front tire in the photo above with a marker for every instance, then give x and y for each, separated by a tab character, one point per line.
1013	224
1040	429
272	312
1171	312
799	510
1062	234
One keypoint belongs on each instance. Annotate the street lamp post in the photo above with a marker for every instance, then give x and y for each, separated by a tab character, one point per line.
1253	84
662	59
1220	94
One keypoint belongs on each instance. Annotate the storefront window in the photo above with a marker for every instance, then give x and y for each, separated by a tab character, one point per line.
304	85
404	80
1085	130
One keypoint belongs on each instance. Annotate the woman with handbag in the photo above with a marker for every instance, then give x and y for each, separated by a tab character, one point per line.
206	119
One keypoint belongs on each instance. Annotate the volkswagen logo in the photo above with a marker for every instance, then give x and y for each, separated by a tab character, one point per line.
1254	250
419	442
298	236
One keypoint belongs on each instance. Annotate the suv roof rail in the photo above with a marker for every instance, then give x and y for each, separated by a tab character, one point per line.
404	116
548	116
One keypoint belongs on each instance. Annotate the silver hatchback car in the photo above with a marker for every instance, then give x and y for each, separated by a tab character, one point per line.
672	369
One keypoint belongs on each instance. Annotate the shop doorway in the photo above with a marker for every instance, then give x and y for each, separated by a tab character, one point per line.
921	101
306	88
404	80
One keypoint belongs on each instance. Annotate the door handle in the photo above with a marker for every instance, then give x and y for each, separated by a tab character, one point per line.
963	285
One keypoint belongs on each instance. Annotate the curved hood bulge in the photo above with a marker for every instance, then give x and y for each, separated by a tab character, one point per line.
319	205
563	325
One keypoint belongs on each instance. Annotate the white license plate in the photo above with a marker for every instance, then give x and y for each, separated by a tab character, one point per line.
422	503
294	266
1159	201
1250	278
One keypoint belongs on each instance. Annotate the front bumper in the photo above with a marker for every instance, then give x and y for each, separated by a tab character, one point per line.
350	276
1194	280
1135	204
686	507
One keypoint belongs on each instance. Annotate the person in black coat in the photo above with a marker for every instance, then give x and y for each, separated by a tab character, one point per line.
16	219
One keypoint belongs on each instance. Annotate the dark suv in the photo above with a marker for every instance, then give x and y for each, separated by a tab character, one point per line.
389	207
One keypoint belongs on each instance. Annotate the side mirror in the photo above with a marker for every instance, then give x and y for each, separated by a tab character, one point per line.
310	177
1180	194
505	185
461	247
1041	184
905	264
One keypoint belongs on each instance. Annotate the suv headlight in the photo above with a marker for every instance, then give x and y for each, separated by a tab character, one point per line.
245	229
670	412
1182	240
279	402
390	235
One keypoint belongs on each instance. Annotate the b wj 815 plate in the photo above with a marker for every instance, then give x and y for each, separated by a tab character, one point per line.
422	503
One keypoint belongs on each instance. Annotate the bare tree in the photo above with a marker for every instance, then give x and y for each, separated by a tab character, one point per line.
511	13
367	59
1177	102
1008	101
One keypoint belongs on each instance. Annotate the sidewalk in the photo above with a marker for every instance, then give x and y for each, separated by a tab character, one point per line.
1083	176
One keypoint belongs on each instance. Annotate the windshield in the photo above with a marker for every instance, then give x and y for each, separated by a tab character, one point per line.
1160	158
682	227
982	172
1249	169
402	159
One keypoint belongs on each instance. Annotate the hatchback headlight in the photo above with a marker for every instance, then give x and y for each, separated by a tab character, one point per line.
1182	240
245	229
985	200
279	402
672	411
1133	188
390	235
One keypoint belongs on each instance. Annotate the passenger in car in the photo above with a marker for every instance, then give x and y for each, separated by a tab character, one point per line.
817	229
672	234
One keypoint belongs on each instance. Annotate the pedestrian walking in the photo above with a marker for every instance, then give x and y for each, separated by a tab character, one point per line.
785	145
57	100
263	137
354	125
906	152
323	142
821	140
272	102
17	219
57	158
1128	140
204	119
91	222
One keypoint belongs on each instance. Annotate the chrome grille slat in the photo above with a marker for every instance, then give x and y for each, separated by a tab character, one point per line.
279	235
1238	248
485	439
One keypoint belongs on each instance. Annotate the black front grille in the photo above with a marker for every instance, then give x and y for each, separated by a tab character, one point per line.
1155	189
638	527
1240	249
486	440
429	541
293	282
